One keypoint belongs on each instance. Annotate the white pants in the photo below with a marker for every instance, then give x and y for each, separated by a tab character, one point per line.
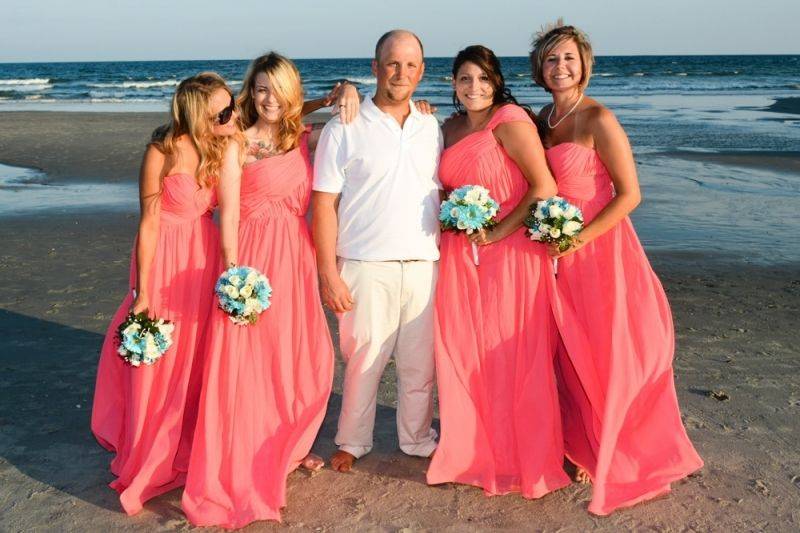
392	315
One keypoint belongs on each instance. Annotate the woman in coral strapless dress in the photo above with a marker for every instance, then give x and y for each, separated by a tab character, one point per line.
265	386
495	336
146	414
622	425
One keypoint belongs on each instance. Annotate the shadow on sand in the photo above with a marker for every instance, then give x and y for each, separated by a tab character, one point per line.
47	375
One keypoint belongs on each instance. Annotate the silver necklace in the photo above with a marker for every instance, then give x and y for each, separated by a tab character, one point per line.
559	121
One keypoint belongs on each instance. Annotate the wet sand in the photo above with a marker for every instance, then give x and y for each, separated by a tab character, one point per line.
63	275
786	105
774	161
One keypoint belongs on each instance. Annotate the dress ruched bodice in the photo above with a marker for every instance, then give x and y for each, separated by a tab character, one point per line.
478	159
277	186
581	175
183	200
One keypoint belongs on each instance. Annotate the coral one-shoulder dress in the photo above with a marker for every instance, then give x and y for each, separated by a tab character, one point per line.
147	414
619	407
495	340
265	386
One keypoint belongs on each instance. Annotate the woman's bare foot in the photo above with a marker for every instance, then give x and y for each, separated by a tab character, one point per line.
342	461
312	462
582	476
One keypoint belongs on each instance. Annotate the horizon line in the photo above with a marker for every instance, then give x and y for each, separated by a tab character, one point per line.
369	58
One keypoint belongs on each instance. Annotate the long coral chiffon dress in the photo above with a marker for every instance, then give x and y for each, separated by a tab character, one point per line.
620	411
146	414
495	340
265	386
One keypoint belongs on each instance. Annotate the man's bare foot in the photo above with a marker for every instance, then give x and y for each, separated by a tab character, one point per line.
312	462
582	476
342	461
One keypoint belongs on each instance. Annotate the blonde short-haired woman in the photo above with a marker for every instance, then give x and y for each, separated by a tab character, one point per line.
621	422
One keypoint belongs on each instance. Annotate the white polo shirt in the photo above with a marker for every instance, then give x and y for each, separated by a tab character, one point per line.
387	178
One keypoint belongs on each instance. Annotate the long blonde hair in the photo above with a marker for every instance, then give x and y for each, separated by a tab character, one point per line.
284	79
190	115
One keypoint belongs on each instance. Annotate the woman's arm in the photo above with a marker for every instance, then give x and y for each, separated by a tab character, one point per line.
614	150
230	177
345	95
521	142
150	175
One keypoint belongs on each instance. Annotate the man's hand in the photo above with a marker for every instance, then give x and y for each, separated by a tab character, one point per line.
334	293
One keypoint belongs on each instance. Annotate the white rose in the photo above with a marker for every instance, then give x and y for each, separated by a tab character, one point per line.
555	211
555	233
246	291
251	305
231	291
454	212
166	329
571	228
235	280
131	329
473	196
536	236
150	347
544	228
460	224
570	212
251	278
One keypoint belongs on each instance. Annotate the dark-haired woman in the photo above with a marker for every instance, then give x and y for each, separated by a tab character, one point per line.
495	337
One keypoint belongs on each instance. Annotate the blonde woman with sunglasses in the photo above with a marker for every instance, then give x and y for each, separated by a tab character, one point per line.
146	414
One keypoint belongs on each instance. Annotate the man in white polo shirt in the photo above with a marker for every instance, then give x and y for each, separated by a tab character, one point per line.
375	206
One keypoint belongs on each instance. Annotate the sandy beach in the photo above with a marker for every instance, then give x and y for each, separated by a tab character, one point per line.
64	273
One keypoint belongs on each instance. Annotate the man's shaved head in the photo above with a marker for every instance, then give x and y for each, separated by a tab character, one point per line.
389	35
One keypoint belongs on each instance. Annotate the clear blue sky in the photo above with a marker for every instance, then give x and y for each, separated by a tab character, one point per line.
95	30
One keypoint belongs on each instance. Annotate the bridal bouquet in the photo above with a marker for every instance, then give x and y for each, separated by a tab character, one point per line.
143	340
469	209
243	293
554	221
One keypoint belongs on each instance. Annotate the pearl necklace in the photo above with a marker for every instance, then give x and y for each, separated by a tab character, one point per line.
571	109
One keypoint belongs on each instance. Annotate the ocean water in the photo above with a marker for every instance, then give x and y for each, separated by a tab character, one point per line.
667	105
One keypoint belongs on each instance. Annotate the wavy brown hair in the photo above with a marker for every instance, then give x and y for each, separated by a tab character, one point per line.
191	116
487	61
284	80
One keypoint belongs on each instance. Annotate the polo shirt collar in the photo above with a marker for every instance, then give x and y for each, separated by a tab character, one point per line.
373	112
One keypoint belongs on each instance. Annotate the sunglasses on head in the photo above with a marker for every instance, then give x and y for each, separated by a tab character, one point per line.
224	116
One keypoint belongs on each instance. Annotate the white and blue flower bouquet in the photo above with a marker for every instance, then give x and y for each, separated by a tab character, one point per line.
554	221
143	340
469	209
243	293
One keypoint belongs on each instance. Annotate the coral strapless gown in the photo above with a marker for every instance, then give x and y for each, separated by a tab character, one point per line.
495	340
619	407
265	386
147	414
